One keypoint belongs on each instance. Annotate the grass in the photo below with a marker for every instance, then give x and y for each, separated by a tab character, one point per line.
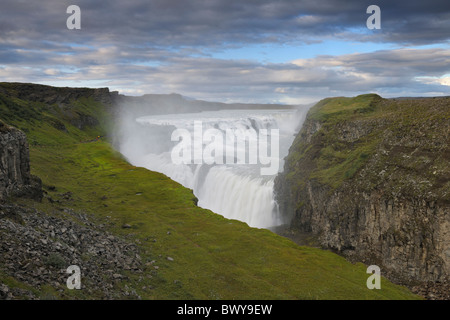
336	109
388	127
212	257
330	159
337	163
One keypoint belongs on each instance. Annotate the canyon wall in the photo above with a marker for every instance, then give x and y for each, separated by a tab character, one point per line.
369	177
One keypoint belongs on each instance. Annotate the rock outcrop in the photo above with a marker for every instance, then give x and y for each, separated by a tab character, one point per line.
15	177
37	248
374	185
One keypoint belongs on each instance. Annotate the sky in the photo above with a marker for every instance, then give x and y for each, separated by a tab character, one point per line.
250	51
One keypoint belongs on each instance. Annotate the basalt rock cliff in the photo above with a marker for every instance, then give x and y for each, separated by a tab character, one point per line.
15	177
369	178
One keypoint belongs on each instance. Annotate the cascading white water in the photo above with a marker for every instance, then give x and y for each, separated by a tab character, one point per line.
236	191
240	197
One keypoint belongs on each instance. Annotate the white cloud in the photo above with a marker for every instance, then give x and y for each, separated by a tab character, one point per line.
161	48
386	72
444	80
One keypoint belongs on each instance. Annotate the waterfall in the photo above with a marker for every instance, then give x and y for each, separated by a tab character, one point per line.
235	188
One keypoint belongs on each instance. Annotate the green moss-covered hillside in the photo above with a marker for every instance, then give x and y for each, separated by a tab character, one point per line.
342	135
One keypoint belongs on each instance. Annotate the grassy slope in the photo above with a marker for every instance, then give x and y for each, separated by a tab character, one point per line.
213	258
398	126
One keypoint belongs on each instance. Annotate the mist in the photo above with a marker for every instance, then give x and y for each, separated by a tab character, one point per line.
231	177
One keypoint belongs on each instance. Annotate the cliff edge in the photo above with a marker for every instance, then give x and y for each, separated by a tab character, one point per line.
369	178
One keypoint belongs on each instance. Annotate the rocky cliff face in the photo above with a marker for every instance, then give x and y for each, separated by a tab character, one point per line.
370	178
15	177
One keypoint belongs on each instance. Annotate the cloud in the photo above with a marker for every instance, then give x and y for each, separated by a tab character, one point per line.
217	22
387	72
164	46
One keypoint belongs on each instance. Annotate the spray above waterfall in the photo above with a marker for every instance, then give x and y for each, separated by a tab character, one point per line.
229	158
218	146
